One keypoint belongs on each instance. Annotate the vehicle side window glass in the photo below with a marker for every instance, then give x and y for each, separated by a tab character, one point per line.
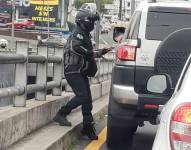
136	27
129	26
133	27
160	23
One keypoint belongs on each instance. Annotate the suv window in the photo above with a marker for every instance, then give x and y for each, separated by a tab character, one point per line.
161	21
133	27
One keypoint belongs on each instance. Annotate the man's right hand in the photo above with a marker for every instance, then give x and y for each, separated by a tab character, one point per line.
106	50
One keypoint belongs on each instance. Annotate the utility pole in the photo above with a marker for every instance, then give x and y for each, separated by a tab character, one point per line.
98	5
65	17
120	10
132	7
124	11
48	22
13	20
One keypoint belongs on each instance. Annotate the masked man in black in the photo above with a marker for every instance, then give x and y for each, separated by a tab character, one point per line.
79	63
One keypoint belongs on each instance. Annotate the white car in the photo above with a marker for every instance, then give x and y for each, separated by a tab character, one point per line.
3	43
105	28
174	132
55	39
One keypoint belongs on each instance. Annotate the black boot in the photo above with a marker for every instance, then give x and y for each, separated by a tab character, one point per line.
62	120
89	131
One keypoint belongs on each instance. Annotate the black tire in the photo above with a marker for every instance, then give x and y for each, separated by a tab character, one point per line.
134	129
119	137
120	131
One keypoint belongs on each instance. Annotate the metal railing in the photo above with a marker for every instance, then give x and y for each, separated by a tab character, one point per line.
21	59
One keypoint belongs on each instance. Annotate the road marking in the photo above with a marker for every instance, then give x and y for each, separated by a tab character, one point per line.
96	144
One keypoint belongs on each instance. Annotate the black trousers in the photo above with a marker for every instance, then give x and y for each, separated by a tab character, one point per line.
81	88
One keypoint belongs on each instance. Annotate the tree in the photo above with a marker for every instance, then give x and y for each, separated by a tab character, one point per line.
78	3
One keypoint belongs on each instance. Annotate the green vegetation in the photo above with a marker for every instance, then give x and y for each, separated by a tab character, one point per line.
69	147
78	3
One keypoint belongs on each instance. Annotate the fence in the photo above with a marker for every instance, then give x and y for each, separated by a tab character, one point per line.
22	59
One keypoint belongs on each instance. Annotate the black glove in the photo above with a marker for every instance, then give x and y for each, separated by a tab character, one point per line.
101	52
105	50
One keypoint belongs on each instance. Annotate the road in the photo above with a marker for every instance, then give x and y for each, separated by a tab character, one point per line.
143	138
105	39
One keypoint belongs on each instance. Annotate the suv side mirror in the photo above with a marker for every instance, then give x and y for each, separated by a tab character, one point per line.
118	33
159	84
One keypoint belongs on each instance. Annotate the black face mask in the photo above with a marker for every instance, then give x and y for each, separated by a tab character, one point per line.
89	26
90	21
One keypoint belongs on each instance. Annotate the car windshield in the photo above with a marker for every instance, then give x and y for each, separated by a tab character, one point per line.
163	20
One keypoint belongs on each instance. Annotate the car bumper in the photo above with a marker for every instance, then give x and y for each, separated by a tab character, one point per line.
123	85
125	94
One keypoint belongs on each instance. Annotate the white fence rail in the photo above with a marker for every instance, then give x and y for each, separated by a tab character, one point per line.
21	60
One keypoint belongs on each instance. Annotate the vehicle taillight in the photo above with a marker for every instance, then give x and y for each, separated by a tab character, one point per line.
180	129
126	53
151	106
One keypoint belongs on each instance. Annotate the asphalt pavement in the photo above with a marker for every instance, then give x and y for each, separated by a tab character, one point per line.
143	138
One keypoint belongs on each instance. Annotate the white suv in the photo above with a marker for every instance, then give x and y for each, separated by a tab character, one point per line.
175	123
130	104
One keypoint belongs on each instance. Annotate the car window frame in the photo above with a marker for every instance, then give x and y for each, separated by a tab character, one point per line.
132	31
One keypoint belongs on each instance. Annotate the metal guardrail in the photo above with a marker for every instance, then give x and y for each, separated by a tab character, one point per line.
21	59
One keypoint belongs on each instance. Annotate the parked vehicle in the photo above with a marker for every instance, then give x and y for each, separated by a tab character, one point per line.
22	24
55	39
4	18
3	43
174	129
130	103
105	28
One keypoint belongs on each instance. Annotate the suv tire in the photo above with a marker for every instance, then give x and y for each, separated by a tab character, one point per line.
118	136
119	131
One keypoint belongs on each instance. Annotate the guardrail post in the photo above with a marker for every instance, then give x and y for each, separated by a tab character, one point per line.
41	75
99	70
21	74
58	71
104	70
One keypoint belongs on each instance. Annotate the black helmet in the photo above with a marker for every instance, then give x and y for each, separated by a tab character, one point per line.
86	19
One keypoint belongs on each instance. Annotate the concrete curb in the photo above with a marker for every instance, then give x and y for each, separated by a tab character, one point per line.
18	122
71	137
15	123
55	137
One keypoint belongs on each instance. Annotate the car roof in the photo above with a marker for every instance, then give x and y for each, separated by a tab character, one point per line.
161	3
184	4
